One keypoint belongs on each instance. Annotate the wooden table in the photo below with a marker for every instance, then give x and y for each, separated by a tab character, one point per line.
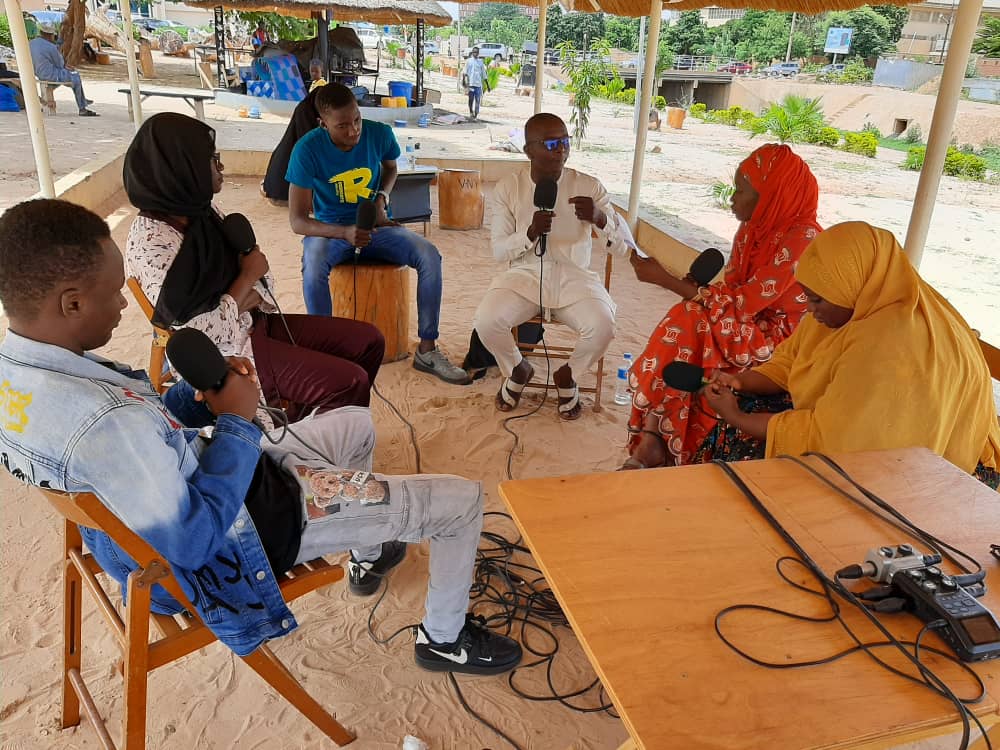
195	98
641	562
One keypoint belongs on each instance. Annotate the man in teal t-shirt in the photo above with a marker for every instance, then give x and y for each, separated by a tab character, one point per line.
332	169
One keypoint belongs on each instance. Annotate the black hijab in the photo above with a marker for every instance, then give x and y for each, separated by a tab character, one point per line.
168	173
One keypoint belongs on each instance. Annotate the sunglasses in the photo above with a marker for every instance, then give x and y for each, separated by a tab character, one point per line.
553	144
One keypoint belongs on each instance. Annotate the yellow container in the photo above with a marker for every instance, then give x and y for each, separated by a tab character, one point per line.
388	101
402	102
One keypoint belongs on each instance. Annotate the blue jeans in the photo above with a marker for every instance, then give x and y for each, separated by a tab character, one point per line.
475	97
390	244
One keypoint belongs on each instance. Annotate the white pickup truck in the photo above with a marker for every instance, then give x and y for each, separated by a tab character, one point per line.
489	51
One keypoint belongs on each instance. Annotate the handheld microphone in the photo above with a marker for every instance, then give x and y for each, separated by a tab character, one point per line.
684	376
705	267
546	192
239	235
197	359
365	219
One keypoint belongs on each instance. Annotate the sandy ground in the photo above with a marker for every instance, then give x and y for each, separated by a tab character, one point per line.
378	691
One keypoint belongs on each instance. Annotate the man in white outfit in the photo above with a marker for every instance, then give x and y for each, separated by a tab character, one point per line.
561	279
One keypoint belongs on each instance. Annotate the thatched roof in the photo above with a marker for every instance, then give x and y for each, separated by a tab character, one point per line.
373	11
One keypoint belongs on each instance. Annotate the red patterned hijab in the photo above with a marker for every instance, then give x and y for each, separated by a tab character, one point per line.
789	197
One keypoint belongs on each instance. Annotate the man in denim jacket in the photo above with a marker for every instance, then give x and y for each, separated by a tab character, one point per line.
229	519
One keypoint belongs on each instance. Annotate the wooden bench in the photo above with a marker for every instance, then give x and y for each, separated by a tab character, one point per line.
195	99
47	95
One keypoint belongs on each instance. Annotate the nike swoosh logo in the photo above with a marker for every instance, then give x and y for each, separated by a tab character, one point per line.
460	658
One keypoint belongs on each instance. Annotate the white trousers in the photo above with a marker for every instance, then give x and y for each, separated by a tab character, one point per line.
502	309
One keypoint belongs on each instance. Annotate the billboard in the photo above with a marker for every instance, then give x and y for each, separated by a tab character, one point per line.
838	40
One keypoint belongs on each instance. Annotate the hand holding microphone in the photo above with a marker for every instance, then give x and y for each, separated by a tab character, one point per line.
546	192
364	224
718	389
228	385
240	236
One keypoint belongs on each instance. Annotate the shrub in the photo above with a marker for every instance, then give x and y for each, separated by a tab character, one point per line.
826	136
493	78
794	119
913	133
856	72
699	110
5	39
864	143
871	127
722	192
956	163
659	103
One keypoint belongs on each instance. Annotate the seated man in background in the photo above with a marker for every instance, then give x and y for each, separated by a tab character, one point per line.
332	169
561	279
50	66
76	423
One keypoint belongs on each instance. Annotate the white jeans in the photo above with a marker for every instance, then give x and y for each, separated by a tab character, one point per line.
502	309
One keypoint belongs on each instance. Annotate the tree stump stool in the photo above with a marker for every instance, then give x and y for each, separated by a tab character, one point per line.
460	199
383	299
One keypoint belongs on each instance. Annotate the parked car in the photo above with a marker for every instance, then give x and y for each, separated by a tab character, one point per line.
431	48
786	69
370	38
833	69
737	68
489	50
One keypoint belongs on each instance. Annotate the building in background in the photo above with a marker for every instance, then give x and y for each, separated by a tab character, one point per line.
928	29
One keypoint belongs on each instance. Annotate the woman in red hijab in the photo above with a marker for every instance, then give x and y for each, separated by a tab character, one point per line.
730	325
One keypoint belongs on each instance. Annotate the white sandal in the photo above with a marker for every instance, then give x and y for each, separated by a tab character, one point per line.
566	409
510	393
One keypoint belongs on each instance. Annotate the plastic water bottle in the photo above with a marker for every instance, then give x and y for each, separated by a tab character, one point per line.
623	394
627	358
411	159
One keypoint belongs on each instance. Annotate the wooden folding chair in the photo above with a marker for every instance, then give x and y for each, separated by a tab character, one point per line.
563	352
180	635
158	347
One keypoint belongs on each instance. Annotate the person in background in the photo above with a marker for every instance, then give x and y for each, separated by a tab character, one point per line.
333	169
731	324
50	66
259	38
317	74
882	361
475	79
274	186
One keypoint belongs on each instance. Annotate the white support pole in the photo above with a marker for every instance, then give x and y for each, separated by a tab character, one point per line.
540	55
636	119
133	71
648	81
941	123
32	106
791	35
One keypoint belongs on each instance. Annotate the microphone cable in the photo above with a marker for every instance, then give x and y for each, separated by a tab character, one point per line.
833	586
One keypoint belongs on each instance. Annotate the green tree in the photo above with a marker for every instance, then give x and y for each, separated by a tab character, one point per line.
761	36
587	73
872	32
573	27
622	33
513	32
988	38
283	27
689	36
897	17
479	24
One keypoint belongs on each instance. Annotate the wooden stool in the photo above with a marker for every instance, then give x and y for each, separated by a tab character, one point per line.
383	299
460	199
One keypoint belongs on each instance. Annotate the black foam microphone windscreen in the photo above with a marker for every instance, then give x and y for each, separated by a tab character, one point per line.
197	359
366	215
238	232
546	192
684	376
707	265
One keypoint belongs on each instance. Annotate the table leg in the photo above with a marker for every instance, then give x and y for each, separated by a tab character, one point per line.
199	109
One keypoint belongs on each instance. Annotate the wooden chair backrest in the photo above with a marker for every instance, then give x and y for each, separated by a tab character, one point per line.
86	509
157	349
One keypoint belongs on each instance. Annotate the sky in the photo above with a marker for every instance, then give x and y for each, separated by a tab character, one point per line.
451	8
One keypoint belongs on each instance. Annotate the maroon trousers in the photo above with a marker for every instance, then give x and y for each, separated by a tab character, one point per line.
332	362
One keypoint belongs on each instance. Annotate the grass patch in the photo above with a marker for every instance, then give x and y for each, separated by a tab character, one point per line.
896	144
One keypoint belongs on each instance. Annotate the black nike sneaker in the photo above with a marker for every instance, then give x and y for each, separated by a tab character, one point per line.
477	650
363	578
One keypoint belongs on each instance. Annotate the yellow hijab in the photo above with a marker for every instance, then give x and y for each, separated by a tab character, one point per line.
906	370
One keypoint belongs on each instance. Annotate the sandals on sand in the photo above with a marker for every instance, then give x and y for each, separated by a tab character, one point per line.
509	395
571	408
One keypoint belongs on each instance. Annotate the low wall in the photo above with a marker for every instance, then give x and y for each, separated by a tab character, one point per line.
896	73
97	182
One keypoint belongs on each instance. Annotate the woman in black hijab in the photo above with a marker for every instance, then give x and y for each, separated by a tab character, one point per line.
304	118
177	251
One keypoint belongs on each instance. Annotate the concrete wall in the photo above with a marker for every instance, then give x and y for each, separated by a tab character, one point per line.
988	67
904	74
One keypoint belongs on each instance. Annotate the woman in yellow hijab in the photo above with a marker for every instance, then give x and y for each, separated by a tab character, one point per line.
882	361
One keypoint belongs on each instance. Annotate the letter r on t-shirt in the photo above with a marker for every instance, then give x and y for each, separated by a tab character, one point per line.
352	185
